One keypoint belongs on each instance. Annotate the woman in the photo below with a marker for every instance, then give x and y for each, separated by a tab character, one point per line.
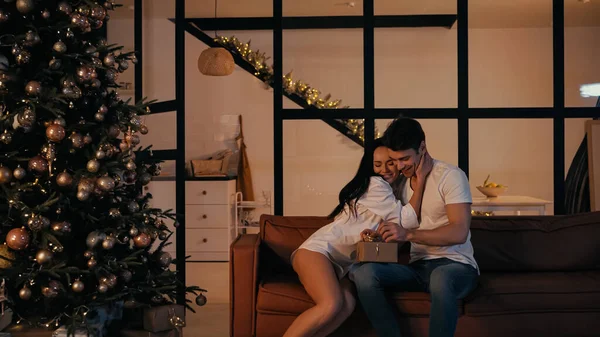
323	260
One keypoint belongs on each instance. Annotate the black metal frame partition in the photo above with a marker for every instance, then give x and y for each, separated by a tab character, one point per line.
368	22
463	113
177	105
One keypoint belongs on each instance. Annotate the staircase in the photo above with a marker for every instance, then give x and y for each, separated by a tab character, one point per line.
349	128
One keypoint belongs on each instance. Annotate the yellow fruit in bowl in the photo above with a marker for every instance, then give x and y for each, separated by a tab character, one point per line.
491	189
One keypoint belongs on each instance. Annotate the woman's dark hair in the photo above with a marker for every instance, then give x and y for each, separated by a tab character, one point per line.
359	184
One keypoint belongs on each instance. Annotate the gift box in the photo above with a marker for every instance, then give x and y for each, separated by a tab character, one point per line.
142	333
22	330
164	317
377	252
63	332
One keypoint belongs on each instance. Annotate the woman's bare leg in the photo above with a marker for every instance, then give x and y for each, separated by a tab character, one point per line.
347	310
321	283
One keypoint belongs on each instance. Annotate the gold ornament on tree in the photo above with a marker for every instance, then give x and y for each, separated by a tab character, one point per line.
6	174
78	286
55	133
25	293
5	255
17	239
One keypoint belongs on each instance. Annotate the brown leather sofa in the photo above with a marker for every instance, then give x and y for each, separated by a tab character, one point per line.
540	276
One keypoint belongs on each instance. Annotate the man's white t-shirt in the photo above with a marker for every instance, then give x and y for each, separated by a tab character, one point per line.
446	184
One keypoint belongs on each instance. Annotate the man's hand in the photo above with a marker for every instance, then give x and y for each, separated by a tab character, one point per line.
391	232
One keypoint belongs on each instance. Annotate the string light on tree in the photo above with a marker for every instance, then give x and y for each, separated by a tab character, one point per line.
70	164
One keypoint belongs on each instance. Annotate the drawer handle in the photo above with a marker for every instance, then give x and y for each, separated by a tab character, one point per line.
203	192
204	216
205	240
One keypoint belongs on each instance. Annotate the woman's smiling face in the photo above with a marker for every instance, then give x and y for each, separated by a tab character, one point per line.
383	165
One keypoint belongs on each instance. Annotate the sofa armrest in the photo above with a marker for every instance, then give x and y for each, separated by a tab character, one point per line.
243	284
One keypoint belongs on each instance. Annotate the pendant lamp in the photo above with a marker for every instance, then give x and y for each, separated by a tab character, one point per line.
216	61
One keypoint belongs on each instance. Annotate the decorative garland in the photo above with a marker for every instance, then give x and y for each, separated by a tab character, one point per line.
311	95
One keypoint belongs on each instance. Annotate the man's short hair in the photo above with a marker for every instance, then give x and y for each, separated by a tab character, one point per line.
403	134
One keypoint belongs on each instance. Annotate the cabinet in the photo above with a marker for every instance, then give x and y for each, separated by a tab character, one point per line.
209	216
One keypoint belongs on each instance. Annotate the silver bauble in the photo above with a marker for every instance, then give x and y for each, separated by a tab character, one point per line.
113	131
6	137
103	109
109	60
83	195
77	140
126	275
19	173
201	300
164	259
23	57
64	7
33	88
102	287
60	121
145	179
4	15
133	231
46	14
130	165
114	213
26	117
55	64
94	238
105	183
100	154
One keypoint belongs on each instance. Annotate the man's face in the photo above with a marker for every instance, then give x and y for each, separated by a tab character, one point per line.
406	161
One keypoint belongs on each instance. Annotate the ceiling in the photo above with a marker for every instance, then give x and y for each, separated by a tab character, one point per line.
482	13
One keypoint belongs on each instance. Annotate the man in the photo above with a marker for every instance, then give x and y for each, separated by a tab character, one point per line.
442	261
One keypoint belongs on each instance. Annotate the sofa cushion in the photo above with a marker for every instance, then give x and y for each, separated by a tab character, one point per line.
537	243
283	235
506	293
284	294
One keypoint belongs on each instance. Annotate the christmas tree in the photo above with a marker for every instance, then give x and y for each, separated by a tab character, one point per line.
77	231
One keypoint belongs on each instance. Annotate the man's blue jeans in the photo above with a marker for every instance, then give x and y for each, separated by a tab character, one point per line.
446	281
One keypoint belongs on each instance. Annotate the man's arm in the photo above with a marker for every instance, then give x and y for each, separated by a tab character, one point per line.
456	232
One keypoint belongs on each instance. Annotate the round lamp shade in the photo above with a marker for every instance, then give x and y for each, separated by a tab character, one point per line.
216	62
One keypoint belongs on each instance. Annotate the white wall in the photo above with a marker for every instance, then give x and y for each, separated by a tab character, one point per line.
414	68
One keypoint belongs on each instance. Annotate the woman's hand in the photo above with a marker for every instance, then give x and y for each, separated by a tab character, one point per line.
424	168
368	232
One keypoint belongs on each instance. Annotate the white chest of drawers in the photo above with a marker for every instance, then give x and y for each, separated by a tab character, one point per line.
209	207
209	216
